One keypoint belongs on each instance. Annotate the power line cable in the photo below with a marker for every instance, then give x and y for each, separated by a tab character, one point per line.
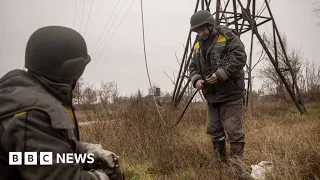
116	29
108	21
111	25
145	59
82	15
88	19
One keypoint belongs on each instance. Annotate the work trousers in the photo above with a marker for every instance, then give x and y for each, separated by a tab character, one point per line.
225	118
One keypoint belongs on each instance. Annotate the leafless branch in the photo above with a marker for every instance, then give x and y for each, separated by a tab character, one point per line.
177	59
261	58
317	11
169	78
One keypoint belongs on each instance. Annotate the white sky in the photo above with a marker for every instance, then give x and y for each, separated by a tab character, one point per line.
166	26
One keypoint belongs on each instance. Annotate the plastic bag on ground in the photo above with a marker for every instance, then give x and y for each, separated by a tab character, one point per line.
260	170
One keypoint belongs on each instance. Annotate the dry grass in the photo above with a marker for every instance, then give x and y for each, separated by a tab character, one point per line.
152	149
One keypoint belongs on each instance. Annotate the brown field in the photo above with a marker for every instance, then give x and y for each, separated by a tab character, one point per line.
150	148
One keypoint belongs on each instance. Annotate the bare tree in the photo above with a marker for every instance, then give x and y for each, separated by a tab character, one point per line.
108	92
89	96
290	68
78	91
317	10
311	77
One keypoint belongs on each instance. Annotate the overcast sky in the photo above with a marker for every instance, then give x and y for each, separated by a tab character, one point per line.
166	28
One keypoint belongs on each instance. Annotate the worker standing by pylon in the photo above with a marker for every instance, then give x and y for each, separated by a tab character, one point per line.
217	69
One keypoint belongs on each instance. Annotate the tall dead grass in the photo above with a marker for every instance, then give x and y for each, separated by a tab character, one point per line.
151	148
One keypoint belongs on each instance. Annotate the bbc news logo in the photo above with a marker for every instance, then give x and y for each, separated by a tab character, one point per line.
46	158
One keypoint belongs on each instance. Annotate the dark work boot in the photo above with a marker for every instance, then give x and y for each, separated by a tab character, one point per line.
219	148
236	153
237	149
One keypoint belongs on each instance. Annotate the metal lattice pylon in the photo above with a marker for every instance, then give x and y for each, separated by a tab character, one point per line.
242	19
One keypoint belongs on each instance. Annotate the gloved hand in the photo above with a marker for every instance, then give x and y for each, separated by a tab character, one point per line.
105	160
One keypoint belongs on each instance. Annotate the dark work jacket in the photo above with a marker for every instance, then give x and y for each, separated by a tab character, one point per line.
225	57
36	116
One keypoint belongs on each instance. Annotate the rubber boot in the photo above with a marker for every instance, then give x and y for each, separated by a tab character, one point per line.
219	148
236	153
237	149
